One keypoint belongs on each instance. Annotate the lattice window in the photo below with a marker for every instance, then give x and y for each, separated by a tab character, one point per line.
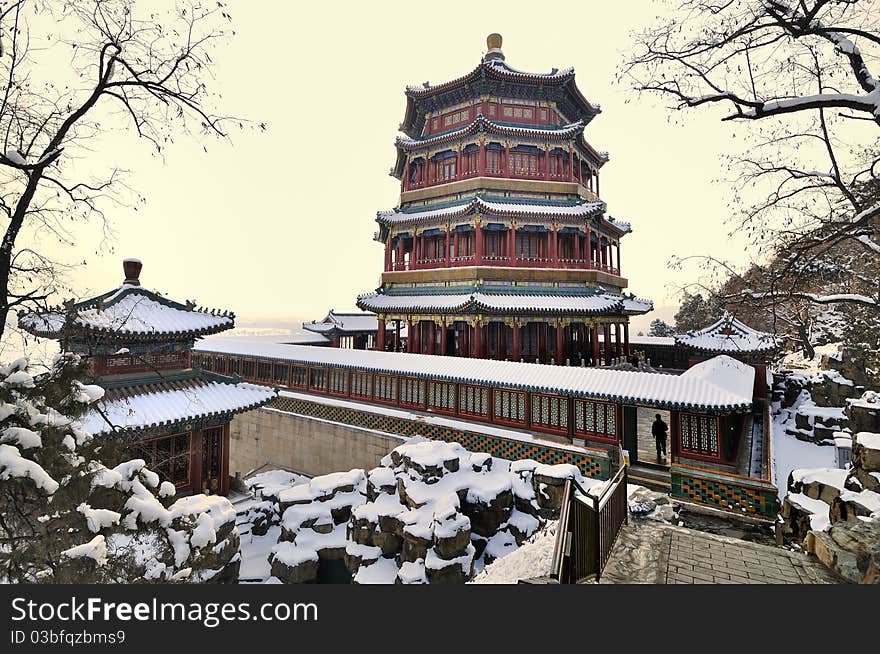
337	381
699	434
168	456
412	391
550	411
317	379
441	395
361	384
473	400
595	418
298	376
509	406
386	388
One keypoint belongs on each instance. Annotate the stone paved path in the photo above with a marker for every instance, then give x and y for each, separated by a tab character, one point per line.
663	554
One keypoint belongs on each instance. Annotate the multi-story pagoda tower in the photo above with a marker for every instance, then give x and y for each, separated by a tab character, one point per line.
500	246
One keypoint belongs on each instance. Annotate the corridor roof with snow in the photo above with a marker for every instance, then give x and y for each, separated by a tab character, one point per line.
721	383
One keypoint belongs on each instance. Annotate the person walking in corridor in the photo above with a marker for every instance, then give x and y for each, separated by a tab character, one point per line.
659	430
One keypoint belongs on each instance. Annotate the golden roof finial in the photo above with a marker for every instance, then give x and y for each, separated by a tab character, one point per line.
493	41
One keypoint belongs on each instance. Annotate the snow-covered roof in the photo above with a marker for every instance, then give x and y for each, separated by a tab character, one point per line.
519	302
722	383
728	335
579	209
129	310
481	123
344	323
165	404
496	68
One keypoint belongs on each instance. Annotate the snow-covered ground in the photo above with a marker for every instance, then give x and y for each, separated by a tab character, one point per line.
789	453
531	559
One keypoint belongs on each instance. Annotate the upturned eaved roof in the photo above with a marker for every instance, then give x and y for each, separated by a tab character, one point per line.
165	404
558	85
344	323
481	123
128	311
722	383
728	335
520	302
478	204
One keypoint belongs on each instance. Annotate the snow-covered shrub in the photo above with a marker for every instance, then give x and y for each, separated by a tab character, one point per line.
74	510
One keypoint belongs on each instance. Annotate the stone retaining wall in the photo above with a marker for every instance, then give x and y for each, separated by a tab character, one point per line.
313	447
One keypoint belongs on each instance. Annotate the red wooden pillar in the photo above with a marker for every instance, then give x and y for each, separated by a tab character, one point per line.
516	328
511	244
617	247
457	250
446	256
443	339
506	164
477	349
482	159
388	249
560	332
458	170
431	337
594	338
380	334
397	335
410	336
607	336
546	171
597	183
478	241
617	349
554	247
570	166
626	339
576	254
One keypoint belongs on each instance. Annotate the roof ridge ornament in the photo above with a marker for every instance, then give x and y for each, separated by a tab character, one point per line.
493	43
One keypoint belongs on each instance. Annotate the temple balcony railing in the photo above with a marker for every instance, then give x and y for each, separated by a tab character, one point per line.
462	260
495	258
430	262
533	262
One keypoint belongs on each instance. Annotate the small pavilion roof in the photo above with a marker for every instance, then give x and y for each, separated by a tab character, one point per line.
344	323
165	404
129	311
722	383
728	336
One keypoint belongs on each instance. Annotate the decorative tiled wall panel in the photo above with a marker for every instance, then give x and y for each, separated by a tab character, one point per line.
749	497
593	463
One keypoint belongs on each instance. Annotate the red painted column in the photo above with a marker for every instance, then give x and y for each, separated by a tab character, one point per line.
397	336
607	335
516	328
617	247
478	242
511	244
626	339
380	334
446	255
559	344
443	339
388	253
477	348
431	336
546	171
554	247
455	242
594	337
398	265
570	166
617	349
482	159
597	183
506	164
458	170
410	336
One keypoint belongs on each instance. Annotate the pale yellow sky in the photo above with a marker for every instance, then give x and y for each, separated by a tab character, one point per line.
279	225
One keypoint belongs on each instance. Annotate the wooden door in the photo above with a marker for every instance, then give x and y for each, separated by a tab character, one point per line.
212	460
